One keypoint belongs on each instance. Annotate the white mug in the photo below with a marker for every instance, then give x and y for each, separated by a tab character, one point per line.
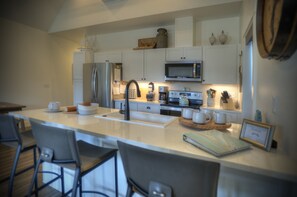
54	106
208	111
187	113
200	117
220	118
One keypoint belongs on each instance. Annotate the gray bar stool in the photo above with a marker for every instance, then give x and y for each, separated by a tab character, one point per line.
59	146
157	174
21	141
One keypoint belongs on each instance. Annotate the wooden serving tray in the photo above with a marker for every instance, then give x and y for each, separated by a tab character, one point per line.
210	125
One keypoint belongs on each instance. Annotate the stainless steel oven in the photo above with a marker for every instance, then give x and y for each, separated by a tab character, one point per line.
173	108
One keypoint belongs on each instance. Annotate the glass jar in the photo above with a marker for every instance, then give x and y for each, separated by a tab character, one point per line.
162	38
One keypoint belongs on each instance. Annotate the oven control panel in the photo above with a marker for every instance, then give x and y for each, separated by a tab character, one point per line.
189	94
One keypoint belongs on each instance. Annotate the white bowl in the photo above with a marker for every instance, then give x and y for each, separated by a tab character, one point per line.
91	107
87	111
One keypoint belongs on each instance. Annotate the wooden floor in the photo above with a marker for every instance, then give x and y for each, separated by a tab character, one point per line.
22	181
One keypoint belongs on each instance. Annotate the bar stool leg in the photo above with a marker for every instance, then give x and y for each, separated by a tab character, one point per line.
34	178
13	169
62	181
75	182
116	175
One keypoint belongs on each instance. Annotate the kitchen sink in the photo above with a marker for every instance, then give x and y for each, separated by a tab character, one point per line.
140	118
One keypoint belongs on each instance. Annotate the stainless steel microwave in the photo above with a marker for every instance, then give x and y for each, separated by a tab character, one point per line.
183	71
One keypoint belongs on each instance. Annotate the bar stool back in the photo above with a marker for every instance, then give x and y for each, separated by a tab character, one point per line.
21	141
157	174
59	146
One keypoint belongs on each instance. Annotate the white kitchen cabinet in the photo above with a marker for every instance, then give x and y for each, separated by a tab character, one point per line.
111	56
184	54
132	65
77	91
154	65
79	58
138	106
144	65
220	64
132	105
147	107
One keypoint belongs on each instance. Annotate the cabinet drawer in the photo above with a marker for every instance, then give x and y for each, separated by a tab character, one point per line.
148	108
132	106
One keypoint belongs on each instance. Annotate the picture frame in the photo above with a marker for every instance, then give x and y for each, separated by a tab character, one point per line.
257	133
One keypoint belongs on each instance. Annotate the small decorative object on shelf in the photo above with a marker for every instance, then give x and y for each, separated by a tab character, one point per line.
211	94
222	38
162	38
212	39
258	116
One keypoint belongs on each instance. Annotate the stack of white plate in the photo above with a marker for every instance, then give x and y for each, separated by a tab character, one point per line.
87	110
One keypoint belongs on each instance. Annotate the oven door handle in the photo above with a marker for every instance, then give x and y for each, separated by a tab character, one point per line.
171	108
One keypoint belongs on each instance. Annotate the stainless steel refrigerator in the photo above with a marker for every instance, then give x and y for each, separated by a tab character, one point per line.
98	79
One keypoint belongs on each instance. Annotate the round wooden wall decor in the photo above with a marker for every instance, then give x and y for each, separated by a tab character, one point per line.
276	28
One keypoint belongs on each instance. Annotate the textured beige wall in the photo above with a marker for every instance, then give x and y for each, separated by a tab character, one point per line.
35	67
275	88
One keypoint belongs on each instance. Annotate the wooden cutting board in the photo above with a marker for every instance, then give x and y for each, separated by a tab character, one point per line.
210	125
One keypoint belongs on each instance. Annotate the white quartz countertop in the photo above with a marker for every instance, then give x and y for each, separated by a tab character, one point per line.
169	139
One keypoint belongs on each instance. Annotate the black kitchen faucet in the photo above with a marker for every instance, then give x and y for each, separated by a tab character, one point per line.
127	108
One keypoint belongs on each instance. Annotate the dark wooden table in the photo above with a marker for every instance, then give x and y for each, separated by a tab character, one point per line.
7	107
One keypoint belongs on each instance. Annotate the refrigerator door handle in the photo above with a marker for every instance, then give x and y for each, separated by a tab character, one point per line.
95	82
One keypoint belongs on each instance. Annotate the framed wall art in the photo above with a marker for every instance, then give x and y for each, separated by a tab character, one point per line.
257	133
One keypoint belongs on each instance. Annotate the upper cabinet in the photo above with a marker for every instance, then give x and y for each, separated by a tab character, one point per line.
144	65
132	65
220	64
79	58
184	54
112	56
154	65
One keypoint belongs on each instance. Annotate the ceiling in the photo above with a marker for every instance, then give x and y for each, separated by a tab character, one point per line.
41	14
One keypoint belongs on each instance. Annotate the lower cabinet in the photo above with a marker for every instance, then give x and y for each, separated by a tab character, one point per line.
121	105
151	108
138	106
232	116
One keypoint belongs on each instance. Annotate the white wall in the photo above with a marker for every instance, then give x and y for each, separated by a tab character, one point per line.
274	79
35	67
230	26
203	29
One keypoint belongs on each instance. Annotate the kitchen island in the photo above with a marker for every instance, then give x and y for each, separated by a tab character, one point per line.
273	166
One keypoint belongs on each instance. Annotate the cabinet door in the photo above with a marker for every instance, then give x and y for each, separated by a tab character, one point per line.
132	105
220	64
77	91
112	56
151	108
79	58
154	65
193	53
174	54
133	65
78	61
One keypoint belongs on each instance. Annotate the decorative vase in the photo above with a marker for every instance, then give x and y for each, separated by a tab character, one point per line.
210	102
162	38
212	39
222	38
